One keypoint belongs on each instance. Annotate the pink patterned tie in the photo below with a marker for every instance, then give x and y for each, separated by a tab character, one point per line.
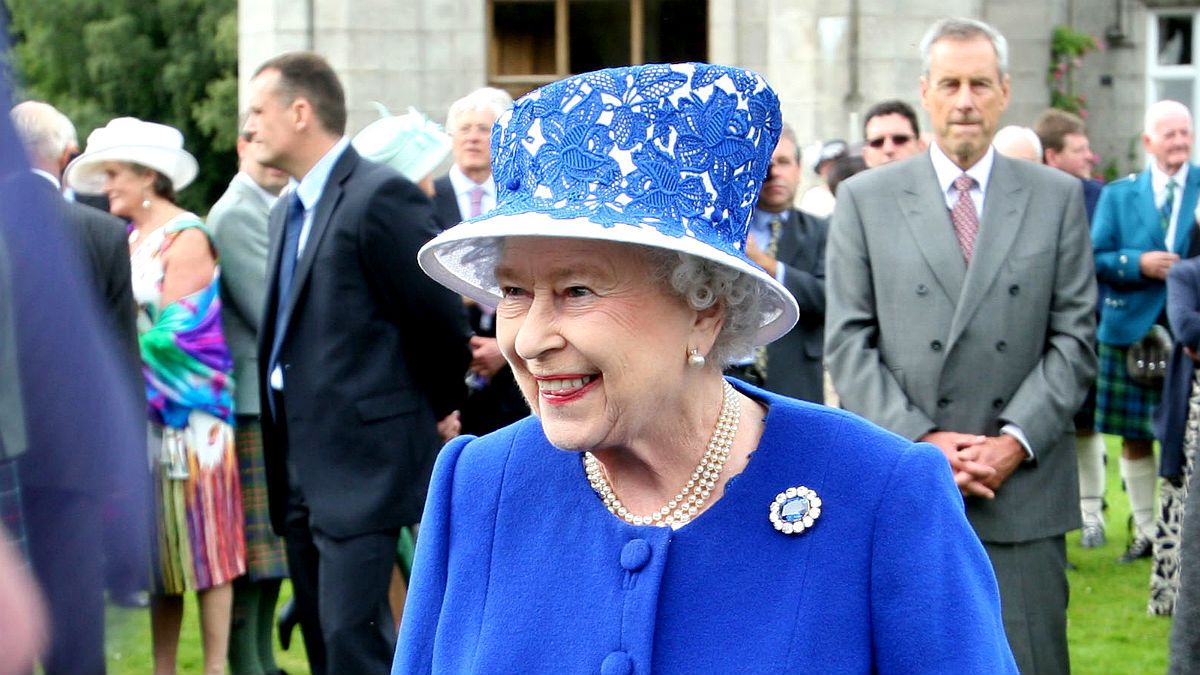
966	221
476	201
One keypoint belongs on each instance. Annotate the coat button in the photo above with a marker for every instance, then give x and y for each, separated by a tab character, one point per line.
998	403
616	663
936	345
1014	289
635	555
943	402
1001	346
922	289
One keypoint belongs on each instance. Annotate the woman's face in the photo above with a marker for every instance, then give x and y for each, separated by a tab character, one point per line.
126	188
597	345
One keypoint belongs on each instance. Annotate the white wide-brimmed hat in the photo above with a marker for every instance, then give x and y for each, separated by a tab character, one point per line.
128	139
410	143
668	156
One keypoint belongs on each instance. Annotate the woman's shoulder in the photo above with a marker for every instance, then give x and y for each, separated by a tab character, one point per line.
185	221
835	424
470	458
847	443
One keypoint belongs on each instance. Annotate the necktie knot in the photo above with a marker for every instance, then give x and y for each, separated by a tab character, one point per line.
964	183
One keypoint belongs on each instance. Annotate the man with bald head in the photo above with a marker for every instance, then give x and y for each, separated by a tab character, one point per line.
1142	225
1018	143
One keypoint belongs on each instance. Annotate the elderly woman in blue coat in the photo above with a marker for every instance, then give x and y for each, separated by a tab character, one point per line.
651	516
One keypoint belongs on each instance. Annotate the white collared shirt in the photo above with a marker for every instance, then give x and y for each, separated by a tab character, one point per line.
50	177
947	171
1158	179
462	193
310	188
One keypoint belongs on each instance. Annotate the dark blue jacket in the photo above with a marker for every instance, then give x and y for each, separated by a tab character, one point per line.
1183	312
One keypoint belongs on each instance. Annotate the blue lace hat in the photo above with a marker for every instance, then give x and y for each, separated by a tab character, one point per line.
668	156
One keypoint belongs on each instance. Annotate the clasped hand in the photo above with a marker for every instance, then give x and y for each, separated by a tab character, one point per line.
980	464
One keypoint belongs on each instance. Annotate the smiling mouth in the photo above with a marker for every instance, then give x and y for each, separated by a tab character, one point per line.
564	386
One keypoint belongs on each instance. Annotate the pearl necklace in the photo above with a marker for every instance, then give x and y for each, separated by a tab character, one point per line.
690	500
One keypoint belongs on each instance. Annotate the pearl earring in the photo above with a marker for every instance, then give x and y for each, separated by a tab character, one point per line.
145	201
695	358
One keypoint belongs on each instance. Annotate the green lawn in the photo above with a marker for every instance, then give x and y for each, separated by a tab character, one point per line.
1110	632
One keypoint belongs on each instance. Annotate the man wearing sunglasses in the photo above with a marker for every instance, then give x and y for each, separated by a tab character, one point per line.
890	133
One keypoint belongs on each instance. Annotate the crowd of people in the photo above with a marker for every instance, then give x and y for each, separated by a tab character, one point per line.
884	394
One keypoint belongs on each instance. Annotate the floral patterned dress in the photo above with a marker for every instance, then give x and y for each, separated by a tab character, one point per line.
186	366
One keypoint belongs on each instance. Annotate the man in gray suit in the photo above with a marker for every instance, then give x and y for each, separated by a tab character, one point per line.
961	296
238	222
790	245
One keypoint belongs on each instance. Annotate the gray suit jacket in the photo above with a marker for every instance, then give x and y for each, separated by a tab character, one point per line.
917	341
238	222
794	360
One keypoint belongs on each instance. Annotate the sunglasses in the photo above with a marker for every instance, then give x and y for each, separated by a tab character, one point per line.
897	139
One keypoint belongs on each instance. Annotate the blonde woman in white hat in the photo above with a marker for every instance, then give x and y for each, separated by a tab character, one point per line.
187	368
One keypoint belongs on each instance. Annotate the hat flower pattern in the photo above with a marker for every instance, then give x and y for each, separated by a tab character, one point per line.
683	148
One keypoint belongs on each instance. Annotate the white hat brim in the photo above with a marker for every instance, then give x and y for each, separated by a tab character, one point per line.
85	174
451	260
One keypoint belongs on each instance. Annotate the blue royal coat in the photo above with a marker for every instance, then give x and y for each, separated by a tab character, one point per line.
521	569
1126	225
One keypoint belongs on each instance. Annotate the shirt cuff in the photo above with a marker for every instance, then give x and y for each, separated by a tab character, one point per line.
1016	432
780	269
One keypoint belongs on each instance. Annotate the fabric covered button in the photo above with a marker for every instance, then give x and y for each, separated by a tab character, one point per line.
936	345
1014	289
922	289
635	555
617	663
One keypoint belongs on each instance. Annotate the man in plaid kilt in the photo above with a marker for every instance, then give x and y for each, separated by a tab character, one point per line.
1142	224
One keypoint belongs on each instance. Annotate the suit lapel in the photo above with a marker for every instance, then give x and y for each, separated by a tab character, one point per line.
1003	215
1147	210
331	196
1187	208
274	248
790	237
928	219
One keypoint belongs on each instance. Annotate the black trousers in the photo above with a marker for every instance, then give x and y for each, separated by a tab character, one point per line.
341	592
66	545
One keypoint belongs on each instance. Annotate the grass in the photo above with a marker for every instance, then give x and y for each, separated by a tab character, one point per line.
1109	631
128	642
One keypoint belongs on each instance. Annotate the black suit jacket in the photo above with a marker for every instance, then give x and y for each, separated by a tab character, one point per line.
499	402
102	245
794	360
373	354
445	203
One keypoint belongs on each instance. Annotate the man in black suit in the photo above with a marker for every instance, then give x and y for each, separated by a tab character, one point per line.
466	191
360	356
64	485
790	245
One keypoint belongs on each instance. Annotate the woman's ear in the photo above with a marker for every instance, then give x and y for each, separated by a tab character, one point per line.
707	326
